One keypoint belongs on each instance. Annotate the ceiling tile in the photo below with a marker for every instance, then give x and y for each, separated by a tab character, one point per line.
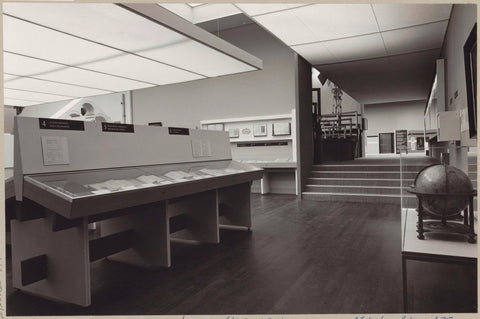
315	53
287	27
333	21
33	96
213	11
253	9
356	48
394	16
418	38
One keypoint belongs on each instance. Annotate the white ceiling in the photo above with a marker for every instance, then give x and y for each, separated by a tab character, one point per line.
117	50
59	51
336	38
355	45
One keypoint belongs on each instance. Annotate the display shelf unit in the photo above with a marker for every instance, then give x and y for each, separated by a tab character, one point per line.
142	196
276	154
430	250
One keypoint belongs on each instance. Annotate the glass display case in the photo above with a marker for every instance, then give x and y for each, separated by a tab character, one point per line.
81	193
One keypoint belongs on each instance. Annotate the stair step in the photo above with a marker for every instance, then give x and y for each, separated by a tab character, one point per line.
384	190
358	181
408	201
367	167
362	174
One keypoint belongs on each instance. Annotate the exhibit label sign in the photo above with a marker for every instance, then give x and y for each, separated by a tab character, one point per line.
401	141
58	124
117	127
178	131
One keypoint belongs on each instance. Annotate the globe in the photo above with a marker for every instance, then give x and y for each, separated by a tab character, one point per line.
443	189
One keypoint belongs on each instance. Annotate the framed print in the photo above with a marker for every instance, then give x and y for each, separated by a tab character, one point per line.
260	130
281	128
233	132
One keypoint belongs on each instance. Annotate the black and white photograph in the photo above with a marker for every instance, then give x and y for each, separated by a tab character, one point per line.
308	158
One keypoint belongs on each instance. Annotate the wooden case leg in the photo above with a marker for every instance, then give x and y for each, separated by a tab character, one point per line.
201	210
235	205
151	248
420	220
472	236
67	262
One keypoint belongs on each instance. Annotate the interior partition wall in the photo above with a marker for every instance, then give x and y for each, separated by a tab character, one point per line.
304	118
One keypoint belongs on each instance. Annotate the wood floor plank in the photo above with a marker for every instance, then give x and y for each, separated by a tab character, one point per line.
301	257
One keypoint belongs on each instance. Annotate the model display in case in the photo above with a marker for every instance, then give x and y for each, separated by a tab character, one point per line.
141	195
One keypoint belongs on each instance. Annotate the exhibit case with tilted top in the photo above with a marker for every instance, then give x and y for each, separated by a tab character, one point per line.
144	184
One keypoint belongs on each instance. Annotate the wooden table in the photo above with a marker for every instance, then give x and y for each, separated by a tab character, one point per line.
430	250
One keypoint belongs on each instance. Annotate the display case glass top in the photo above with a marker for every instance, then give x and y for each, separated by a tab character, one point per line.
107	181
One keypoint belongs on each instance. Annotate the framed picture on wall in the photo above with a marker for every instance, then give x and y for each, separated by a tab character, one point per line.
233	132
215	127
260	130
470	57
281	128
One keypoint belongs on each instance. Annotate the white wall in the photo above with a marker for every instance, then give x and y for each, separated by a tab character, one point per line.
8	115
110	104
462	20
461	23
388	117
265	92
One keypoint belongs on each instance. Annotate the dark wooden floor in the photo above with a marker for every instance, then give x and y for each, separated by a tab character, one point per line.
301	257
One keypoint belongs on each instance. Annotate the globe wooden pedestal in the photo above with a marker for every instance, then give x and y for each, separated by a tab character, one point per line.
429	223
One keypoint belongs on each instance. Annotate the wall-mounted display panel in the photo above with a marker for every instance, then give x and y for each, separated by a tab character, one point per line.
265	141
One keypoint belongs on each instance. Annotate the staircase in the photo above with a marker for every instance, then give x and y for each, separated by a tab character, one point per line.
365	180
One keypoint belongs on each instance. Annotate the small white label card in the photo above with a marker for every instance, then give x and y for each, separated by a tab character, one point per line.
55	150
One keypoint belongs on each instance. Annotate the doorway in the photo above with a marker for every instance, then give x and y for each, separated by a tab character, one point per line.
386	143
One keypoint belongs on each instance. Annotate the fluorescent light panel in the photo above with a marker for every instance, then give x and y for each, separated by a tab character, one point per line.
16	102
35	85
120	28
30	67
33	96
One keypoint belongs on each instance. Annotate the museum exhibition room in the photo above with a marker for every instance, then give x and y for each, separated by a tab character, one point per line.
239	159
